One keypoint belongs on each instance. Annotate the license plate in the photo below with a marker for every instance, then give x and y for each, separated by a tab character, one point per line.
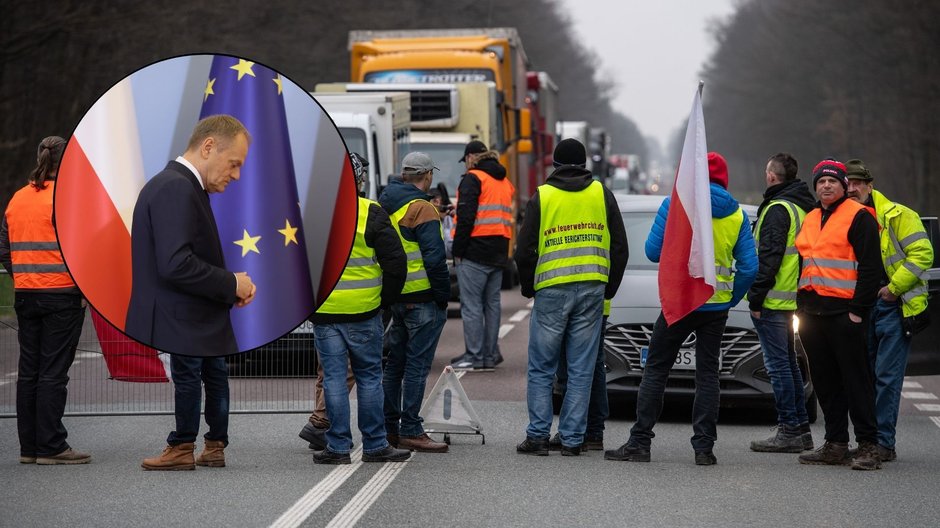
685	360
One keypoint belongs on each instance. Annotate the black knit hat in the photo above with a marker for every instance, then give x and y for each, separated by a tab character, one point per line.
569	152
830	167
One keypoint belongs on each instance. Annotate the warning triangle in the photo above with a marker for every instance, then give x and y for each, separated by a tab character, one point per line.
447	408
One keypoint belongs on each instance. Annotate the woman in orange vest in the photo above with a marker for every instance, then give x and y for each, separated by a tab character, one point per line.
49	310
841	269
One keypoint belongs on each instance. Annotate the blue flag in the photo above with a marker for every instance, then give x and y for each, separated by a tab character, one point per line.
258	216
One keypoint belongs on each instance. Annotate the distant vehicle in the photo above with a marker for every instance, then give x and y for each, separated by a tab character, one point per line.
542	99
579	130
924	359
743	378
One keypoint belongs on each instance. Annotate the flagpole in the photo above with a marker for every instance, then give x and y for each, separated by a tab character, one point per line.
701	86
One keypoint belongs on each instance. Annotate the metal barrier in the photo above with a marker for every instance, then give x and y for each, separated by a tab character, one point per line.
278	378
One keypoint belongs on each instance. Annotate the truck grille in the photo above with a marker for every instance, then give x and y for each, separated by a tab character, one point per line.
431	105
626	340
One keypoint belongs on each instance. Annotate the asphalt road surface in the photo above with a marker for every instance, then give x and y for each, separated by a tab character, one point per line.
271	479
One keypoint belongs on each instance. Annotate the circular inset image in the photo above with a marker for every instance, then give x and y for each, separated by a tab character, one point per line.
205	205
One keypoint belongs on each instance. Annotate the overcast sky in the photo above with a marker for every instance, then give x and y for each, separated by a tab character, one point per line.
654	51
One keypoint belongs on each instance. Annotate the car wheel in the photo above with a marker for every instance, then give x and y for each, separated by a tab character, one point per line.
812	408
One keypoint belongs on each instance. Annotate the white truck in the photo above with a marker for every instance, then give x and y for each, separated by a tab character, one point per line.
376	125
579	130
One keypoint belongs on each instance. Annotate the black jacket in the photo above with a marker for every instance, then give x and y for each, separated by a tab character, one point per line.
490	250
773	236
570	178
863	236
382	237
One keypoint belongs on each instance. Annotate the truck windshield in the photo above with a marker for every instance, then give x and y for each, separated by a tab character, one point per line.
355	139
445	156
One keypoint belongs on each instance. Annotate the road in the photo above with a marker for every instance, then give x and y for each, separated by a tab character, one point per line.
271	480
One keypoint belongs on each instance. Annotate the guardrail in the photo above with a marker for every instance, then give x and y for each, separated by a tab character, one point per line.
278	378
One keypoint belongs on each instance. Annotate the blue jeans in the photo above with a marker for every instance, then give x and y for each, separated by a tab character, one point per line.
189	373
565	317
479	309
775	330
358	344
598	406
887	350
416	328
664	347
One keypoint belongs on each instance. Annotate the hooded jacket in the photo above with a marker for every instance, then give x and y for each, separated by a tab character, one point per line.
421	224
571	178
489	250
745	256
773	236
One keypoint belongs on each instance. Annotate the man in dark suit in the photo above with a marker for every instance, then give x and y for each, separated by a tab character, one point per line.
181	292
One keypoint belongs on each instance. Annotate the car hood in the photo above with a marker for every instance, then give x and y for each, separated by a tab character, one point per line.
637	300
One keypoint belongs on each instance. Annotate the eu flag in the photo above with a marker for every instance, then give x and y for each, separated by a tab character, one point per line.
259	216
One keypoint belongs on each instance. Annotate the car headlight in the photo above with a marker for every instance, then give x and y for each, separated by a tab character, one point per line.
796	324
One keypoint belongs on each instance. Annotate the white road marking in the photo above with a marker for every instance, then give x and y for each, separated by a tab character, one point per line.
11	374
919	395
87	355
936	420
460	373
912	385
306	505
519	316
505	329
928	407
4	382
360	503
531	304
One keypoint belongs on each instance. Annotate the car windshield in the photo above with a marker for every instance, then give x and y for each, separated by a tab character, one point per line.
638	226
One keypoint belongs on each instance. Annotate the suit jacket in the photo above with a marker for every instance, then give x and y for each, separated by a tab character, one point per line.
181	293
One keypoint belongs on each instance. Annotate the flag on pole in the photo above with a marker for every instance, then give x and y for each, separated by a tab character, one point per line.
259	216
687	263
99	179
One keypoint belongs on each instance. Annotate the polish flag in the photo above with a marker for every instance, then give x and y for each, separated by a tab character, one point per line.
687	263
100	176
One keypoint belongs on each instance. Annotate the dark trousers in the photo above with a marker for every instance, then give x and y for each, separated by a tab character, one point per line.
837	350
664	347
598	405
189	375
49	327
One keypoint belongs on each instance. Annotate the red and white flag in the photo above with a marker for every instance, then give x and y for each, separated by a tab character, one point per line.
100	176
687	262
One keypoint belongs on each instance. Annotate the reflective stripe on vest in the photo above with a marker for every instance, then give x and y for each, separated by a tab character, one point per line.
494	209
725	232
574	241
34	251
359	289
830	267
782	296
417	278
898	254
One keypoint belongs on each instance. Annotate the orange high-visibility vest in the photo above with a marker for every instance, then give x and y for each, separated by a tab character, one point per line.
494	211
37	260
830	266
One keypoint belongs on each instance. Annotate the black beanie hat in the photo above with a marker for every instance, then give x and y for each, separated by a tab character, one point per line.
830	167
569	152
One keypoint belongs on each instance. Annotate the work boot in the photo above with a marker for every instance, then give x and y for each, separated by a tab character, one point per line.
554	443
392	439
787	439
628	453
213	455
388	454
315	435
830	454
807	437
67	457
705	458
571	451
593	443
421	443
887	454
174	458
331	457
533	446
867	457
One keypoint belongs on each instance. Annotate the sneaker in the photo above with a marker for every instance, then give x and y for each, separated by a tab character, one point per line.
830	454
628	453
422	444
887	454
465	364
67	457
331	457
388	454
315	435
786	439
533	446
570	451
807	437
705	458
867	457
459	359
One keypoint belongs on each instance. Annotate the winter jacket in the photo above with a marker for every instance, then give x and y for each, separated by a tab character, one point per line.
773	236
489	250
421	224
570	178
745	256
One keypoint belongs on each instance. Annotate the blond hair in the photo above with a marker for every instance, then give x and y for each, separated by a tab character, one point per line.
222	127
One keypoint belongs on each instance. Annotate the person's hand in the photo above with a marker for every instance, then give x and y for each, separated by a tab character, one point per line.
755	315
244	289
885	294
854	318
